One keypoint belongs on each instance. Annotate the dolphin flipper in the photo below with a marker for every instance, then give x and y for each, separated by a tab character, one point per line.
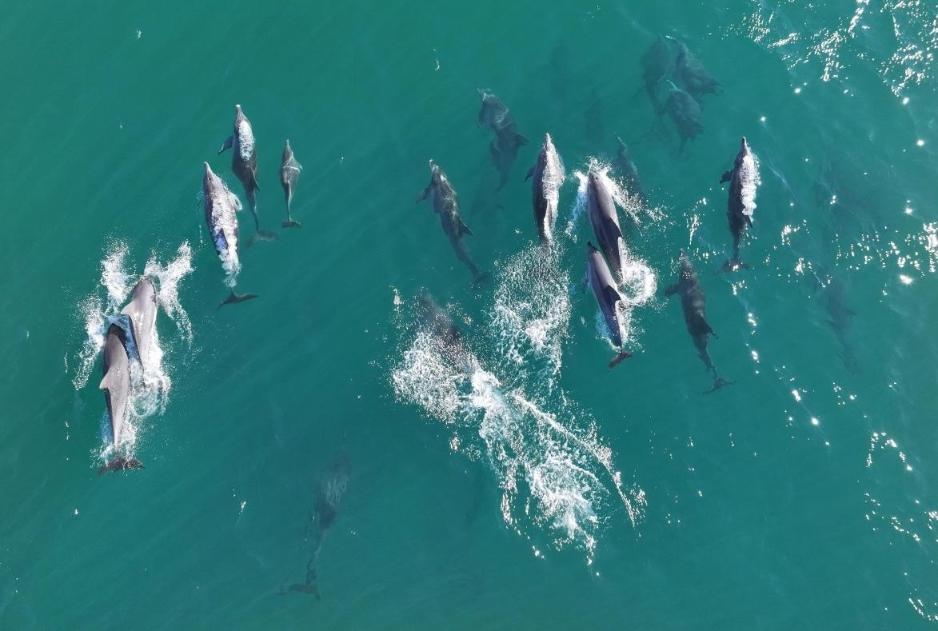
727	176
235	298
228	144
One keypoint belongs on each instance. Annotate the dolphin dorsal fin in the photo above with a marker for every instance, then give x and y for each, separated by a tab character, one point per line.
612	294
105	382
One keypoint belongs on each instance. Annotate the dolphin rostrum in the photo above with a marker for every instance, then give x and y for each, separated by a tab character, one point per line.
244	164
741	204
608	298
221	207
548	176
446	205
289	174
694	304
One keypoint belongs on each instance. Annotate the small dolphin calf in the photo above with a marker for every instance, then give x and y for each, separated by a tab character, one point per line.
504	148
446	205
116	386
244	164
221	207
744	182
329	493
289	174
608	298
694	304
604	218
548	176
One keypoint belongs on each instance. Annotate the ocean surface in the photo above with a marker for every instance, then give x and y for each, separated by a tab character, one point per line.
319	437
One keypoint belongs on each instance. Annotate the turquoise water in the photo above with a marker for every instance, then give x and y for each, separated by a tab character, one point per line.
529	487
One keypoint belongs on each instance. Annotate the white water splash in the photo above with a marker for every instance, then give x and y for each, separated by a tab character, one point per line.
749	182
150	380
224	228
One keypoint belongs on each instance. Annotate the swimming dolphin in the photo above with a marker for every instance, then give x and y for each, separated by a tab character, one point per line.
446	205
221	207
437	321
694	304
329	493
141	311
504	148
839	318
601	209
289	174
683	110
741	204
244	164
548	176
690	72
627	170
116	386
657	63
608	298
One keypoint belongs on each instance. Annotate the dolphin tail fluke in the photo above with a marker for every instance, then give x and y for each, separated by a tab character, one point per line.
120	464
235	298
291	223
718	383
618	359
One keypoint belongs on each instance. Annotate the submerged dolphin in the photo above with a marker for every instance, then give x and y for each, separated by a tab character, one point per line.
601	209
289	174
244	164
116	386
683	110
329	493
437	321
657	63
690	72
608	299
221	207
548	176
628	171
741	204
694	305
446	205
504	148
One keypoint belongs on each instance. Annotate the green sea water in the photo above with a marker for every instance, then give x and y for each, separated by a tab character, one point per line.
532	488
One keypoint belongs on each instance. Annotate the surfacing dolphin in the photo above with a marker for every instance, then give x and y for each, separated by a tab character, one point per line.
608	298
141	311
244	164
694	305
329	493
289	173
604	219
744	182
446	205
548	176
116	386
504	148
221	207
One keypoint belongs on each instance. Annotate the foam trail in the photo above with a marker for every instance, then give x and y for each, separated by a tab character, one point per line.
579	206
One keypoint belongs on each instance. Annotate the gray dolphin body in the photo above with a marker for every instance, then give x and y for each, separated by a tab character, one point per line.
116	386
628	171
741	203
504	148
607	297
244	164
604	219
221	207
330	491
840	319
694	305
446	204
289	173
684	111
692	74
141	311
548	176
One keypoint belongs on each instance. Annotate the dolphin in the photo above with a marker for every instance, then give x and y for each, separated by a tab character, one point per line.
437	321
446	205
694	304
690	72
839	318
608	298
548	176
116	386
683	110
628	171
601	209
221	207
657	63
289	174
141	311
741	204
504	148
244	164
328	499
